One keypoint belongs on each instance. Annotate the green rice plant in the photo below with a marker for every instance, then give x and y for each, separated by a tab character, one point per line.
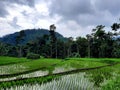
112	84
27	66
28	75
28	81
107	60
14	68
99	75
5	60
70	82
103	75
67	82
63	69
80	64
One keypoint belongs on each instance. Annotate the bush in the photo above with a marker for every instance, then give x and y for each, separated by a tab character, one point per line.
76	55
33	56
42	57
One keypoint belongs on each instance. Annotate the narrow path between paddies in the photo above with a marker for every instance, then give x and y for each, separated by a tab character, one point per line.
63	73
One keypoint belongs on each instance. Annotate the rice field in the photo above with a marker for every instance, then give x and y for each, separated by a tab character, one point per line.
9	69
10	60
28	75
67	82
41	75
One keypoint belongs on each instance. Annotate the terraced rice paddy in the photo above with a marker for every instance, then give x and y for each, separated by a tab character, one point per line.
44	74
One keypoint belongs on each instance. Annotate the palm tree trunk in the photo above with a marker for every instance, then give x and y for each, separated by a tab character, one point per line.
56	49
89	49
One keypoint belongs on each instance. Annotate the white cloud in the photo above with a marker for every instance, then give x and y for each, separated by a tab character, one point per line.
73	29
5	27
74	19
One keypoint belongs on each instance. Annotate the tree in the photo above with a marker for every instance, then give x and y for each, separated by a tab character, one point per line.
115	26
19	39
69	44
89	37
99	36
116	41
82	44
3	49
102	44
53	41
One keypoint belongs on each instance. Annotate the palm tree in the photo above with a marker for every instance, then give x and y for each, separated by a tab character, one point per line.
69	51
89	39
53	40
115	27
52	27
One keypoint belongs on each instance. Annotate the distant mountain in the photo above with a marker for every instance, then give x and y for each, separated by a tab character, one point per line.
31	35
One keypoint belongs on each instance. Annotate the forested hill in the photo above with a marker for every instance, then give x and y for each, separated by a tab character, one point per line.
31	35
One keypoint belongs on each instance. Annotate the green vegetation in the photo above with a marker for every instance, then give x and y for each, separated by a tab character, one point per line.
11	60
73	70
106	60
33	56
27	66
99	44
40	73
45	63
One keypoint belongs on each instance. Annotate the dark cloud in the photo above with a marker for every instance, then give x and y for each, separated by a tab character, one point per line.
3	11
81	11
22	2
85	12
111	6
6	3
70	8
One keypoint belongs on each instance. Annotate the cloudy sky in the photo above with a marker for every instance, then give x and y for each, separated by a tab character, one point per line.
71	17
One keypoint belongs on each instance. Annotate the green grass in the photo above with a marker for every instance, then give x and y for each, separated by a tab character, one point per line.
104	60
11	60
80	64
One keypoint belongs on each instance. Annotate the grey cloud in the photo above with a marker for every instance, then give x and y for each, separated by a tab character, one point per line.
14	23
81	11
86	20
110	5
70	8
22	2
85	12
3	11
7	3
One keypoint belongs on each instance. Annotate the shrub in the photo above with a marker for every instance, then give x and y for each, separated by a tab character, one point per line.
33	56
76	55
42	57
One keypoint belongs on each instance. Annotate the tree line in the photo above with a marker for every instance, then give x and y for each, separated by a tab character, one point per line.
98	44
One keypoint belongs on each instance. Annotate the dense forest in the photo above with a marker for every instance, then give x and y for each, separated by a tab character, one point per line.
98	44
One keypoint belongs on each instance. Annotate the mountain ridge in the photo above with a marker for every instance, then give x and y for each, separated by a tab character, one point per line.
31	35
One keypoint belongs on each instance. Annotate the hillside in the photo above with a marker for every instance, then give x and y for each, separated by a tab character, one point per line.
31	35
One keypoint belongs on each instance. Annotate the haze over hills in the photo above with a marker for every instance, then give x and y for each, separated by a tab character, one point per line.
31	35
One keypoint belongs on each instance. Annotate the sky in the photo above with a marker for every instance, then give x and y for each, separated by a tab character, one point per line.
72	18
